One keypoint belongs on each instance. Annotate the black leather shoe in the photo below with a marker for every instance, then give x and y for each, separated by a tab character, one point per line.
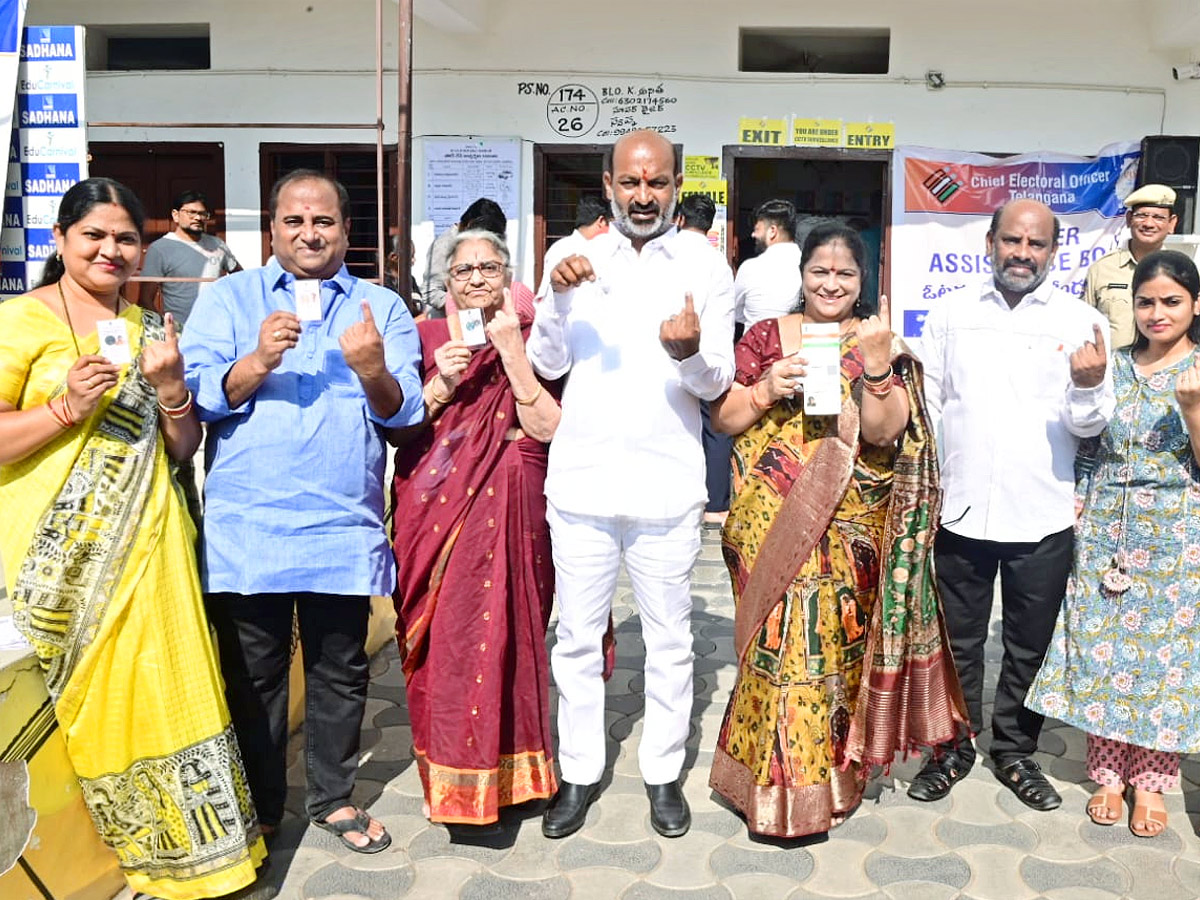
669	813
938	775
1025	779
568	809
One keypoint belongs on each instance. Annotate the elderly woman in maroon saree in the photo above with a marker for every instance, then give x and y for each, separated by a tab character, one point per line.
473	551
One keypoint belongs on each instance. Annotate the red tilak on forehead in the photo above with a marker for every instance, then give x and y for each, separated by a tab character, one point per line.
645	173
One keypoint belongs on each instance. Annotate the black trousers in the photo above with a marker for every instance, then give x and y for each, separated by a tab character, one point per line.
1033	579
254	636
718	448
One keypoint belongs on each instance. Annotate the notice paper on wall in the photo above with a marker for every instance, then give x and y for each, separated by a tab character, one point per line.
458	171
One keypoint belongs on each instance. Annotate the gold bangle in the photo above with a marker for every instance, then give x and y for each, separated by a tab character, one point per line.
531	400
444	401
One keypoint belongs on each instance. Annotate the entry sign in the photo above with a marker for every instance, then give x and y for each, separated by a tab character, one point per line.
871	135
766	132
817	132
716	188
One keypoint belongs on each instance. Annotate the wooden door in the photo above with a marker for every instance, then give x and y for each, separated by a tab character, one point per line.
158	172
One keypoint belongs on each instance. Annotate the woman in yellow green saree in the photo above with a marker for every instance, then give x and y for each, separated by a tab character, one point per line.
99	560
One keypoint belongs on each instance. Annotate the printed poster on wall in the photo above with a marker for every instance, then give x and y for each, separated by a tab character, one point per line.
458	171
47	150
942	205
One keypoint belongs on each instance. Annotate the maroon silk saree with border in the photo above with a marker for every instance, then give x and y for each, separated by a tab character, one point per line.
475	586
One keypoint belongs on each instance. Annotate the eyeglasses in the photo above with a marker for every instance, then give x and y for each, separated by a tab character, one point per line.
1157	218
201	214
489	269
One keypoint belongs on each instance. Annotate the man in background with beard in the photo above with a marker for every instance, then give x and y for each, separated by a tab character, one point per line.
644	325
1018	372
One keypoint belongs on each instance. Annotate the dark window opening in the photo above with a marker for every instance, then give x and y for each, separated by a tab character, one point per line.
855	51
141	48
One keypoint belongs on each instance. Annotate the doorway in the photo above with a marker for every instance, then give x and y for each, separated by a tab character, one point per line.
157	173
850	186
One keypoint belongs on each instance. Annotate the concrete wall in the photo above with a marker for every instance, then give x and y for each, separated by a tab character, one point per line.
1068	76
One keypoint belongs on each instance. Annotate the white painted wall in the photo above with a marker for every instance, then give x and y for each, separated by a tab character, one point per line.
1063	75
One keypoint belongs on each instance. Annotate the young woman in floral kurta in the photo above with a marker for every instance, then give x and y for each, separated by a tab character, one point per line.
1123	663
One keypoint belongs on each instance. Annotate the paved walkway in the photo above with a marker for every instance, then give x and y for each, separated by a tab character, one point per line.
980	843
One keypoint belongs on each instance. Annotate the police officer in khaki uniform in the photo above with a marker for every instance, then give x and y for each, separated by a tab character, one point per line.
1150	217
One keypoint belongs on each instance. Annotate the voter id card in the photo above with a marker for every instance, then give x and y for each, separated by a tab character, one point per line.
114	341
821	346
308	299
471	323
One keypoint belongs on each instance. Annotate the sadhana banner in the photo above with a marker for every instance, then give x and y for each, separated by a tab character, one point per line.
942	205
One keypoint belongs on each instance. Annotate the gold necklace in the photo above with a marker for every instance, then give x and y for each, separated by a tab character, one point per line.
67	312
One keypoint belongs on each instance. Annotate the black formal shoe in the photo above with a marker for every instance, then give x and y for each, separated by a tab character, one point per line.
568	809
669	813
1025	779
938	775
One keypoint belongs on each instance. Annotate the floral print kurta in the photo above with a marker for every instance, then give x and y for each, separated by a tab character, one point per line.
1125	665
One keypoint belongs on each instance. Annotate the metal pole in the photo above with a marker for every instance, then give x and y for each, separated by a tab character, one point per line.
404	144
380	223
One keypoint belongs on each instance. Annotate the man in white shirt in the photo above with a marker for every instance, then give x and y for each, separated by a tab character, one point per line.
767	285
591	219
1018	373
644	325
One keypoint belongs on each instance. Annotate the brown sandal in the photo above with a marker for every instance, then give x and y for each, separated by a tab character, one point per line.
1108	802
1145	822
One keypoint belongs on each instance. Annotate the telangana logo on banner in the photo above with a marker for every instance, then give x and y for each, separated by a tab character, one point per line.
942	204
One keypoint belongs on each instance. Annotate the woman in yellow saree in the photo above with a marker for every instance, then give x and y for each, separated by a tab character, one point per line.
99	560
842	653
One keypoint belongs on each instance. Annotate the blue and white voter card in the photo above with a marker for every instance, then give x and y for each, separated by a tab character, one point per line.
308	299
114	341
471	322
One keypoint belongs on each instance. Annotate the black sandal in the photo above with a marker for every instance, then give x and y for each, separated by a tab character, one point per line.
937	776
359	822
1025	779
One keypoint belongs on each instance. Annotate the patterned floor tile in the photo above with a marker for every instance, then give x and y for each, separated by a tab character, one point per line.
759	886
599	883
727	861
685	861
839	870
441	879
486	886
1101	874
949	869
995	874
372	885
910	832
637	858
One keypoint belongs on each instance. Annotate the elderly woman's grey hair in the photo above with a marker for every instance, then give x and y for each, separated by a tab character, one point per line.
478	234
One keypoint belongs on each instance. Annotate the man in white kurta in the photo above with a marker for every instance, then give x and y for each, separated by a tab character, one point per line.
644	326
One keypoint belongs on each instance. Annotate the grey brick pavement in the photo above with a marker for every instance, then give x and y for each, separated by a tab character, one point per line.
979	843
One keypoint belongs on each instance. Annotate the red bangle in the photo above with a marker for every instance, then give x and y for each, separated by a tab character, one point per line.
62	416
177	412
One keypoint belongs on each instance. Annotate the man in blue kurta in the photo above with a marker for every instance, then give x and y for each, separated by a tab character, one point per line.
297	368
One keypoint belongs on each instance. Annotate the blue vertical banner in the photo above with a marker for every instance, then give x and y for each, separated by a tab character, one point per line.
47	152
12	228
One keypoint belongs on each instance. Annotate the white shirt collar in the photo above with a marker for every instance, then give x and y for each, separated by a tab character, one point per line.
1041	294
